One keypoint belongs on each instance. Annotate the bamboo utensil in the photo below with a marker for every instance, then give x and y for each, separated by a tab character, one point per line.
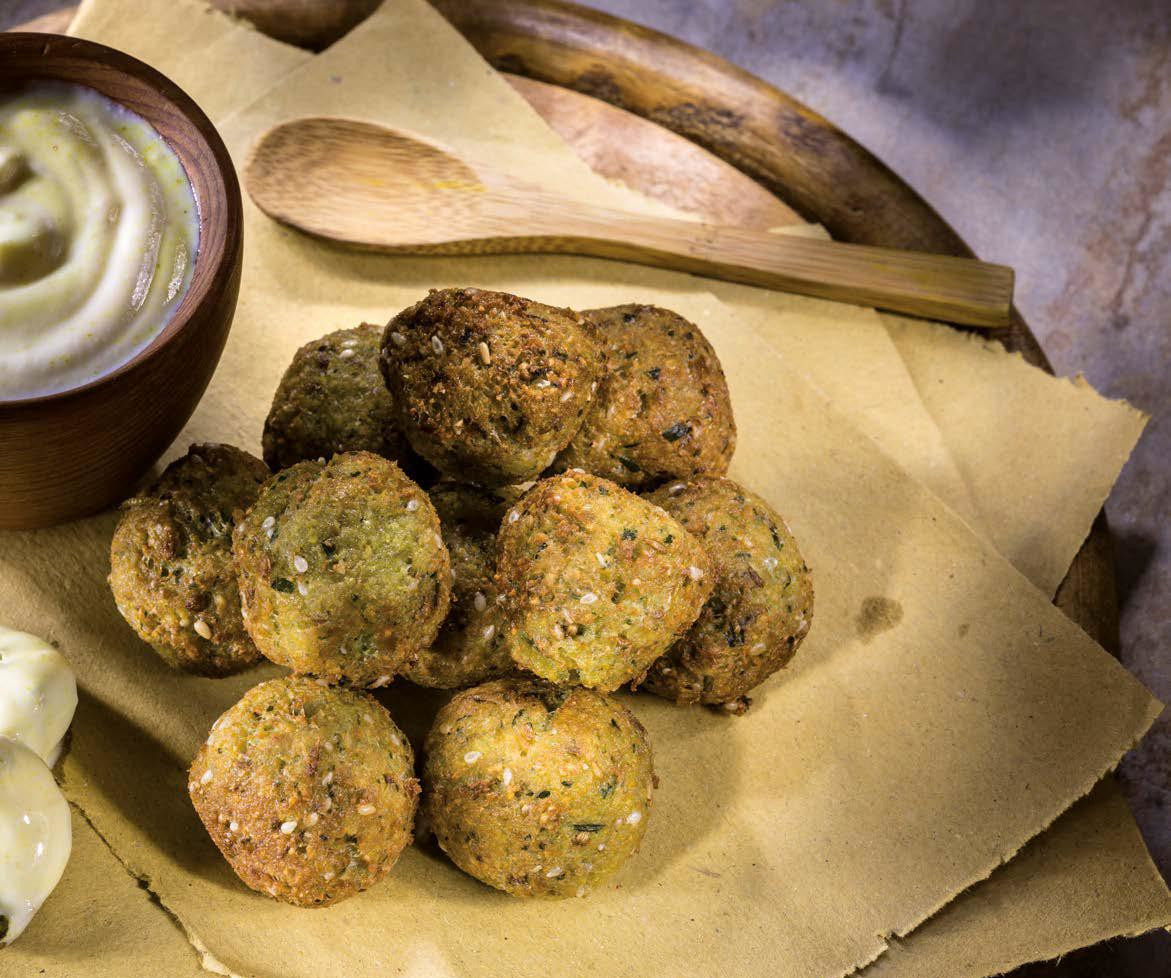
377	188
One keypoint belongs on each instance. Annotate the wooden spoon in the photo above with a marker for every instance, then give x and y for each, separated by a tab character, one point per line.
380	189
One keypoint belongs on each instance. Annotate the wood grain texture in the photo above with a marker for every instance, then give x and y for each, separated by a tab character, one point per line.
657	162
378	188
735	115
69	454
309	24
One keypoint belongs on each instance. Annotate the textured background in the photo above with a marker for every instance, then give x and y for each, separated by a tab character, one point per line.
1041	130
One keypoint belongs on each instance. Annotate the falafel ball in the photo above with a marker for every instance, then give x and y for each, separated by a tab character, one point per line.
535	790
762	604
171	568
332	399
309	791
597	582
662	410
489	387
343	573
470	646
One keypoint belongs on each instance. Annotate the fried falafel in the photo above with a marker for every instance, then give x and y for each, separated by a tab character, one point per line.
332	399
536	790
309	791
662	410
760	609
489	387
597	582
343	572
470	646
171	568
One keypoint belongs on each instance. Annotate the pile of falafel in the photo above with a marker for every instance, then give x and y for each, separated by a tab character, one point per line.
630	561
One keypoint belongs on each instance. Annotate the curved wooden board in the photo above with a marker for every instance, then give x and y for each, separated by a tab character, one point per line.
643	155
780	143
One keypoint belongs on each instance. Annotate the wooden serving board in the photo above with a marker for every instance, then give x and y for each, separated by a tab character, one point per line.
686	127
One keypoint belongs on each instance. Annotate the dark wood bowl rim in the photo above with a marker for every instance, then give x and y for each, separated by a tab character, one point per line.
220	251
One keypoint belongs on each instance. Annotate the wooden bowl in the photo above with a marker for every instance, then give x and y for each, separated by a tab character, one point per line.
69	454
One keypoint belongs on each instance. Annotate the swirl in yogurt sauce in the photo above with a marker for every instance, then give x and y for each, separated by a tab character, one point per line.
98	235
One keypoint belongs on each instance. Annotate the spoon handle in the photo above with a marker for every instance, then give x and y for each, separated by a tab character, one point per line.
957	290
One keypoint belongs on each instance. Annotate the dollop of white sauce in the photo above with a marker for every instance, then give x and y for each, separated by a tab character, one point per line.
98	236
38	693
35	836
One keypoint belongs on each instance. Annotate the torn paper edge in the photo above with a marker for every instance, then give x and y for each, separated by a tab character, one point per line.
1003	860
204	957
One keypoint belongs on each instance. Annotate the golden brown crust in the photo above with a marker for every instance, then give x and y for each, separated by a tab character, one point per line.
308	791
662	409
489	386
535	790
470	646
171	570
332	399
343	572
597	582
762	605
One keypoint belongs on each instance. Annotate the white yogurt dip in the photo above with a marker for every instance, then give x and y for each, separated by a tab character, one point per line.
38	693
98	236
35	837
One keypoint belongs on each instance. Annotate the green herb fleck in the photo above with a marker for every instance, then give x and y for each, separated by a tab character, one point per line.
282	584
588	826
678	430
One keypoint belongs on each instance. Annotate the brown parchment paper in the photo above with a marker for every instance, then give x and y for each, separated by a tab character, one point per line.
100	922
888	770
1036	909
979	394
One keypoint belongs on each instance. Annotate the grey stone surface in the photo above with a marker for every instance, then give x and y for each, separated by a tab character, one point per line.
1041	129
